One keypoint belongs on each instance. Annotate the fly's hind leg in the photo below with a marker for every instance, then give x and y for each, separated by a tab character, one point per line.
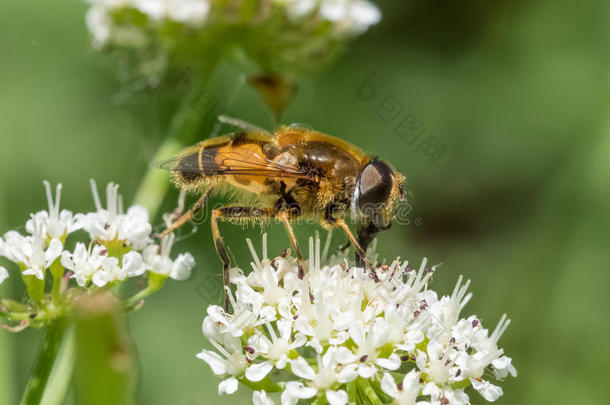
187	216
236	215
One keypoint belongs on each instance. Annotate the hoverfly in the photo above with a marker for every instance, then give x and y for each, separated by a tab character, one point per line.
294	173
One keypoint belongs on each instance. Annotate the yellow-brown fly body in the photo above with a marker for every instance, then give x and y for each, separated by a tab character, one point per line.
291	174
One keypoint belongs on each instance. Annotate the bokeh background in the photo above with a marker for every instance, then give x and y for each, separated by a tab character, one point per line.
515	92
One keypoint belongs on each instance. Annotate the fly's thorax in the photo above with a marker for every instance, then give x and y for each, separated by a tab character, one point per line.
324	159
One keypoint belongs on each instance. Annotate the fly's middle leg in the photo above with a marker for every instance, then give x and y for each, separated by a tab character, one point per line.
233	214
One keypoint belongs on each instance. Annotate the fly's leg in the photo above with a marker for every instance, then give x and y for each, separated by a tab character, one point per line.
236	215
187	216
344	247
361	258
285	218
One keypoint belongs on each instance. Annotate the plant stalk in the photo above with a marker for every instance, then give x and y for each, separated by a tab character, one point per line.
47	355
104	352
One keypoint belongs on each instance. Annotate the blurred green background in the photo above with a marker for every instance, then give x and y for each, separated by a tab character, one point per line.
516	92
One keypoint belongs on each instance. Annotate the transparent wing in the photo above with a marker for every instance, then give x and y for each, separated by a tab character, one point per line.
237	161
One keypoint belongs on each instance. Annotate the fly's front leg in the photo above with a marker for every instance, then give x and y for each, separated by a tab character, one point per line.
361	258
233	214
366	234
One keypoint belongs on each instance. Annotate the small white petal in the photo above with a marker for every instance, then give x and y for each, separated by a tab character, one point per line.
345	356
487	390
281	363
261	398
316	345
294	391
133	265
301	369
258	371
336	397
388	385
100	278
33	271
410	382
181	269
433	390
53	251
228	386
347	373
391	363
216	363
367	370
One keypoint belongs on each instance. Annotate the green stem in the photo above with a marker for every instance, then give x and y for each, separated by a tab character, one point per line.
182	131
154	186
15	316
57	271
368	390
155	282
35	288
352	393
8	395
14	306
6	369
105	366
44	363
61	374
320	400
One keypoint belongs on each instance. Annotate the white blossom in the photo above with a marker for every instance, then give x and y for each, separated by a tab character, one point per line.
320	336
348	17
276	348
233	362
98	267
404	393
32	253
53	223
111	224
83	263
157	260
113	253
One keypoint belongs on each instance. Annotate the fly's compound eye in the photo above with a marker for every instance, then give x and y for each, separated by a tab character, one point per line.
373	187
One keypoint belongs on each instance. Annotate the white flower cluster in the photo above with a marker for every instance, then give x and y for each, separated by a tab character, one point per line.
347	17
345	334
120	243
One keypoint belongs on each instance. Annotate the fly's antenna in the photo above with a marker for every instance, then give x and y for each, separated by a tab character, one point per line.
236	122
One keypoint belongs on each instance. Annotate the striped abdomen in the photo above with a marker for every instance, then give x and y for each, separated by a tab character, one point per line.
246	161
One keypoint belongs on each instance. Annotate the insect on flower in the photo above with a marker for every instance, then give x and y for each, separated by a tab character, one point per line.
294	173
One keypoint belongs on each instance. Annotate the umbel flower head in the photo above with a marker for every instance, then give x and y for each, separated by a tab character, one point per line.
285	36
344	334
118	246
